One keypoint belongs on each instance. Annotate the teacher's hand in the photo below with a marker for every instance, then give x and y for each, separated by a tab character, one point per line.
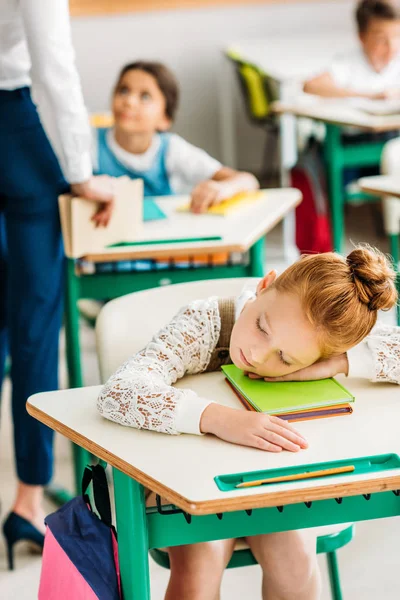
98	189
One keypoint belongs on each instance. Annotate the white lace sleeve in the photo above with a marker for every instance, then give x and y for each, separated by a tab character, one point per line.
140	394
378	357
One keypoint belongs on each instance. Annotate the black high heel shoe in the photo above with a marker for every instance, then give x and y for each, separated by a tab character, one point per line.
15	529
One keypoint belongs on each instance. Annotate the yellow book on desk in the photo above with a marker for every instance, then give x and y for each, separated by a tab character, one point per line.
230	205
82	237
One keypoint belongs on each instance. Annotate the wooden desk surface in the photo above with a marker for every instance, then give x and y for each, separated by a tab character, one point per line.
337	112
296	56
239	231
182	468
381	185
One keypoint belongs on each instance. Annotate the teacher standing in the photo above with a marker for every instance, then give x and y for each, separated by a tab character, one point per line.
35	47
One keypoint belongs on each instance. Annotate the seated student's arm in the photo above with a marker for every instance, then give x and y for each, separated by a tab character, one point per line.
224	184
326	86
209	182
376	358
140	393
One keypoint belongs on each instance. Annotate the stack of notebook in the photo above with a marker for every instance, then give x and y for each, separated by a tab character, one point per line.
292	400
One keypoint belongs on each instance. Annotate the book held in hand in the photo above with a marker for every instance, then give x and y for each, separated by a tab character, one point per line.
82	237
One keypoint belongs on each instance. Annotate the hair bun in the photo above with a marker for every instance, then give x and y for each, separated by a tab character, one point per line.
373	277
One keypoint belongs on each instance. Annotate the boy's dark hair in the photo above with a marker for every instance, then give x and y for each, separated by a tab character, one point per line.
166	81
367	10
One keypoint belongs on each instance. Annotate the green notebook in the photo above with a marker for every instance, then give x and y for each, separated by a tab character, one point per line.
289	396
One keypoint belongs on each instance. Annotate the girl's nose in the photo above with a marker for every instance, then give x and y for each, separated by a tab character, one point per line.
259	355
131	99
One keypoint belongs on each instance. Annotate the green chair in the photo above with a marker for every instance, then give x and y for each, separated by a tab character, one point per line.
327	543
259	91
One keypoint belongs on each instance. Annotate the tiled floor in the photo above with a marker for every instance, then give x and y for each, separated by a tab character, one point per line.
368	565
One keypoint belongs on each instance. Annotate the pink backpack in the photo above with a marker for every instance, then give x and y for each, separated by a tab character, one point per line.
80	555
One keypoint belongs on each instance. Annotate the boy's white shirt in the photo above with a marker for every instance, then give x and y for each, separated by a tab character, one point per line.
141	394
351	70
186	165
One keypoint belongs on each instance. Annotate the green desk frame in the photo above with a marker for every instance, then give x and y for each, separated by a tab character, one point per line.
140	529
338	156
113	285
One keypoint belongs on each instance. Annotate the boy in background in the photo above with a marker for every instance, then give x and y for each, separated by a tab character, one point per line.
372	70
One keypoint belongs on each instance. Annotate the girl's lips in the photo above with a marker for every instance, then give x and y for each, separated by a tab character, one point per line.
244	359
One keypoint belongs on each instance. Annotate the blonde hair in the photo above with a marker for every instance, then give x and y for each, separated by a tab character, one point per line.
341	296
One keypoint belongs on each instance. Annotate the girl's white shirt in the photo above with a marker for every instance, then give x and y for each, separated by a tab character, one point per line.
141	394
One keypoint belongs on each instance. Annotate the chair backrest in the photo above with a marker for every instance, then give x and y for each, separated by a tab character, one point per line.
127	324
258	89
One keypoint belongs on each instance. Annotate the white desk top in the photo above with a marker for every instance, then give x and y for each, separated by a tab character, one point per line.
381	184
337	112
182	468
295	56
239	231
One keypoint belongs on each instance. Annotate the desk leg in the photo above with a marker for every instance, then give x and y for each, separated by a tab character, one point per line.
287	159
72	327
227	92
133	543
334	161
81	457
257	258
394	249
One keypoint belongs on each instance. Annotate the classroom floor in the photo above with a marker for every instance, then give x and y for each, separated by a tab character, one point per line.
368	565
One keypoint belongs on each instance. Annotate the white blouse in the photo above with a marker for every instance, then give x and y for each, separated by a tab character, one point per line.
141	393
36	48
186	164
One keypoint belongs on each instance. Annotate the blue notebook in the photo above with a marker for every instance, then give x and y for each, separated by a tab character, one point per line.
151	211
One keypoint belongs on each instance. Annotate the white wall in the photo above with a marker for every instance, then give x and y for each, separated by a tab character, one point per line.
190	43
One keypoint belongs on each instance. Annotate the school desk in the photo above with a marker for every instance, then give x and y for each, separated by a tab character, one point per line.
242	231
387	185
337	115
182	469
287	60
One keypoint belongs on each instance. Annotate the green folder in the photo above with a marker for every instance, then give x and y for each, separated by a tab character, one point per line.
288	396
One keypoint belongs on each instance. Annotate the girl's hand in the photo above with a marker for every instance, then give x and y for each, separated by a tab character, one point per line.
204	195
251	429
320	370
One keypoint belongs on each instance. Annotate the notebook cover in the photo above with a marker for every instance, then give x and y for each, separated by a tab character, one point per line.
286	397
376	107
339	410
151	211
230	205
80	234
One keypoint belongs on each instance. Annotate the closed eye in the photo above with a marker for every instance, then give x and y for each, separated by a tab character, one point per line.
280	354
258	325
